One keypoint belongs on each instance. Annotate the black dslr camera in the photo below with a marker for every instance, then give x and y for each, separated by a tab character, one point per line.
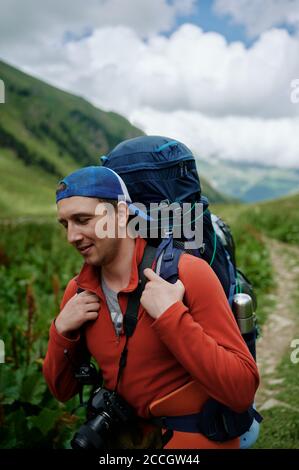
106	412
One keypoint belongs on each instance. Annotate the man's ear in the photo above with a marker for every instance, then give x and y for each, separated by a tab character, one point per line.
122	214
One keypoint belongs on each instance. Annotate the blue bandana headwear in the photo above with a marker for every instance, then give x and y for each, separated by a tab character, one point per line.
99	182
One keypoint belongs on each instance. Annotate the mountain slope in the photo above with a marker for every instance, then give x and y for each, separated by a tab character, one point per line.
46	133
213	194
278	219
53	129
249	182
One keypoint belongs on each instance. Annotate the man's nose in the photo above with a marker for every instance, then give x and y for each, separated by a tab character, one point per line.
73	234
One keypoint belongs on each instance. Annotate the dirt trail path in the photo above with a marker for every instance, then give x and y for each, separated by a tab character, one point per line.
281	324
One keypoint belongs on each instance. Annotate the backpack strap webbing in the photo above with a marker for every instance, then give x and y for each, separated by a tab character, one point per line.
168	256
216	422
130	317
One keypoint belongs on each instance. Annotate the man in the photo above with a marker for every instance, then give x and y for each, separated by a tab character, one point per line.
186	347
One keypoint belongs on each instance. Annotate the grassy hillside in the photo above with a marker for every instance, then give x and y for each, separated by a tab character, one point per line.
23	190
277	219
45	133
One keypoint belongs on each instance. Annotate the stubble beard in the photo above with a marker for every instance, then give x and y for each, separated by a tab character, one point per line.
107	252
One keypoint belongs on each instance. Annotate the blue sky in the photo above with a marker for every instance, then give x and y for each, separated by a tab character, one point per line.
205	17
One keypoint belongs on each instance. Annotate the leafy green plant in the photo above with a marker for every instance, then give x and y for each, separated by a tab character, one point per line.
35	265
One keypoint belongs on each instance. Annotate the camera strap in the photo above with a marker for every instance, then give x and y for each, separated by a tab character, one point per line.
130	317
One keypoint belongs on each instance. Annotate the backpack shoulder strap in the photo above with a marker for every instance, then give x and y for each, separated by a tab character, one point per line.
130	318
168	257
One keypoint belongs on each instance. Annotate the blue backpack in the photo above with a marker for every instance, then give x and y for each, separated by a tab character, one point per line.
157	169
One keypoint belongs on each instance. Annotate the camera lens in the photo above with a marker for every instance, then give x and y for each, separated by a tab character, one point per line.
106	410
91	436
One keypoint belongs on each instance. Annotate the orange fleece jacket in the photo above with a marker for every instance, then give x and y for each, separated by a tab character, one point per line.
194	339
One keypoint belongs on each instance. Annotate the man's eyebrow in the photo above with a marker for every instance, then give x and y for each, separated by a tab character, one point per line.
79	214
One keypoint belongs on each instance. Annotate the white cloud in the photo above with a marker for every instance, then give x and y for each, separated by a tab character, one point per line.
218	97
33	34
260	15
190	70
25	21
269	141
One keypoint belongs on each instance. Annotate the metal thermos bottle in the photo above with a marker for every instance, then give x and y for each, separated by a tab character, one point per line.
243	310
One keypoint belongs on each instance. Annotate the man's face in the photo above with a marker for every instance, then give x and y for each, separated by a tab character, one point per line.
79	217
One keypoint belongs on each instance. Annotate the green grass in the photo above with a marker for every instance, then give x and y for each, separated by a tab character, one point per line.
24	191
278	219
280	428
252	255
35	266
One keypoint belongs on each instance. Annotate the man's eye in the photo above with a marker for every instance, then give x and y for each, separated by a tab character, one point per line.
83	221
